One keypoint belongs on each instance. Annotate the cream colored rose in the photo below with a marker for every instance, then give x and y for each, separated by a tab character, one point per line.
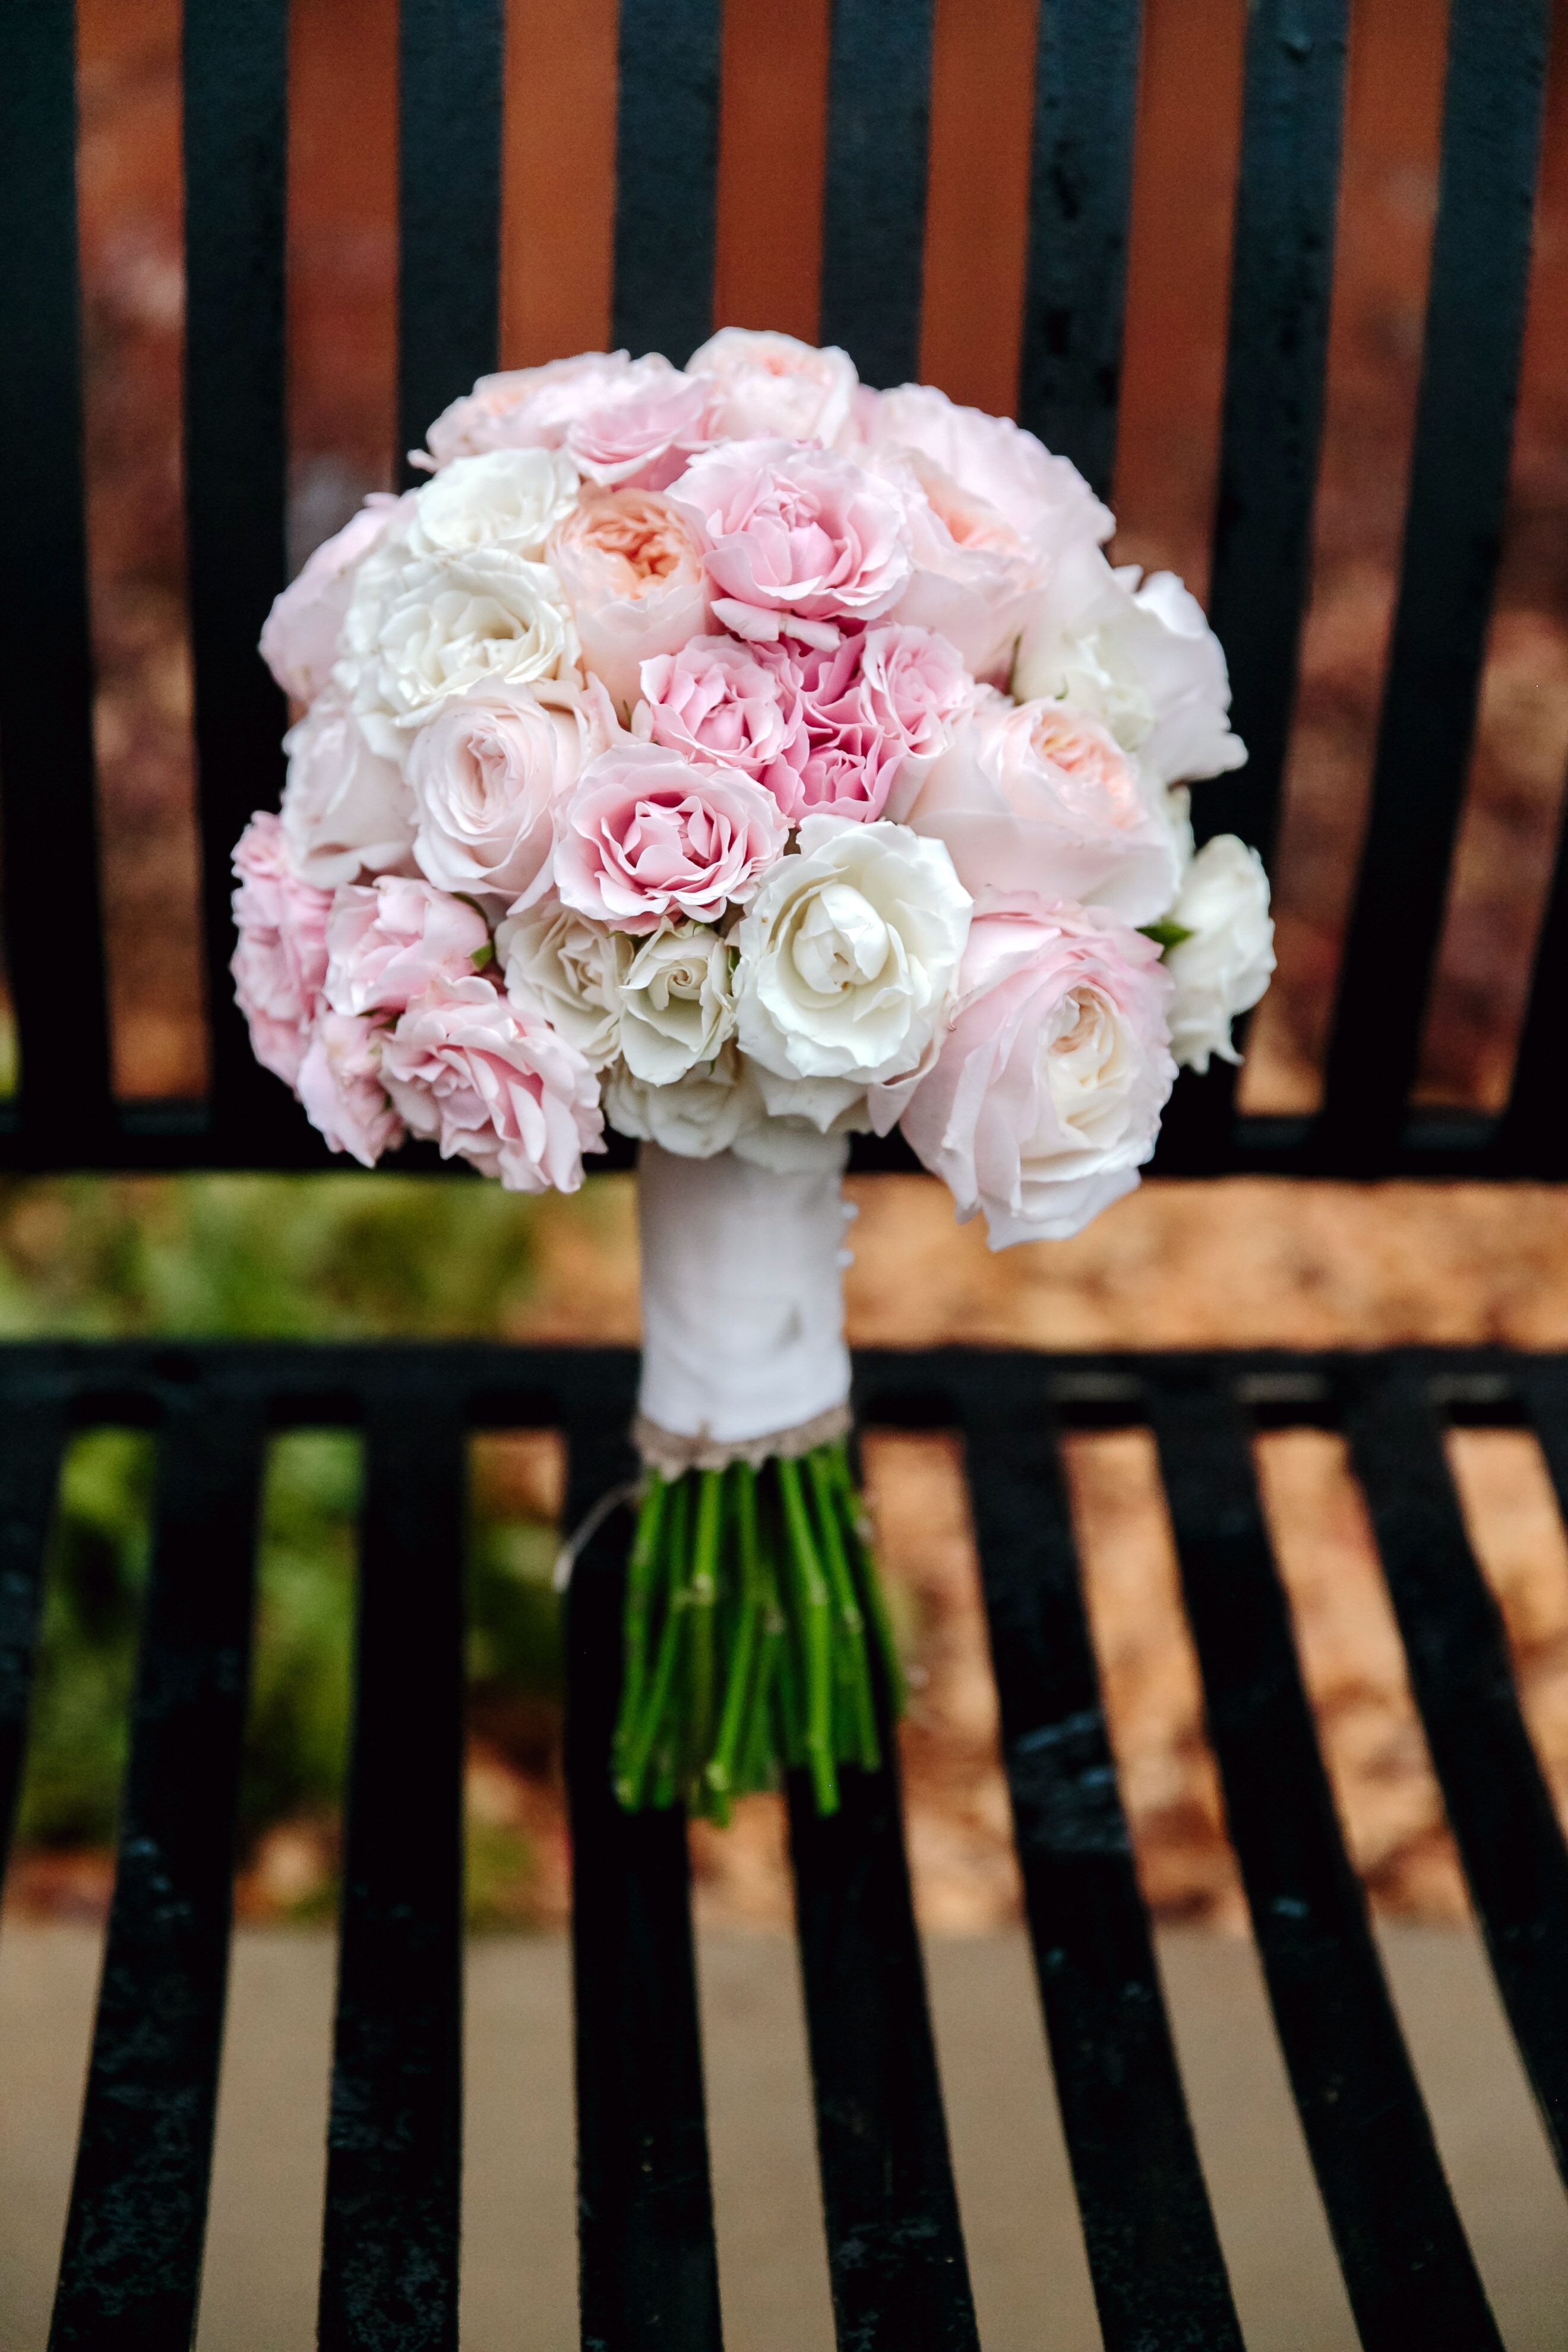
849	953
1223	969
444	626
569	969
677	1001
345	809
510	499
707	1110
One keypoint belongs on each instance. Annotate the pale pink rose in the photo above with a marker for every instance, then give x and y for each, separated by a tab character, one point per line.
881	704
992	461
300	634
340	1085
487	773
719	702
494	1084
1046	1097
522	408
1037	796
795	538
345	809
767	384
919	690
634	578
281	963
387	943
976	579
641	432
646	835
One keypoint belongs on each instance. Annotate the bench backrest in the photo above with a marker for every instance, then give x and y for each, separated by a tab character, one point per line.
236	113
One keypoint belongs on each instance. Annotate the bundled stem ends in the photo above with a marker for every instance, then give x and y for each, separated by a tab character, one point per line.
756	1635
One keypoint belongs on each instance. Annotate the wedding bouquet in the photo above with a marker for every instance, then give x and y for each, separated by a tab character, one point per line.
747	759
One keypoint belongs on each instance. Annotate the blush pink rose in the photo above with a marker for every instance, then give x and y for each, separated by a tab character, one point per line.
387	943
641	432
1046	1097
1039	796
345	809
634	578
720	703
522	408
281	963
795	538
487	774
882	702
766	383
648	835
992	462
300	634
340	1085
495	1085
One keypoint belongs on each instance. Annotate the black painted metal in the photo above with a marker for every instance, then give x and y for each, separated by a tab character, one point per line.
667	162
650	2273
873	230
389	2255
1081	196
1533	1132
1159	2275
132	2264
895	2251
32	1437
46	668
448	173
1458	485
1408	2271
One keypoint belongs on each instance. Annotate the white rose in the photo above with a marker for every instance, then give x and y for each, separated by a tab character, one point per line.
1143	659
345	809
557	960
707	1111
768	384
486	774
849	953
1223	969
420	631
677	1001
510	499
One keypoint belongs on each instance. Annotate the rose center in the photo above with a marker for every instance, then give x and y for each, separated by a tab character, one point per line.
841	942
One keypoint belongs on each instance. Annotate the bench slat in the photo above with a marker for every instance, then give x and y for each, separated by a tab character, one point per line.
650	2269
874	197
1532	1134
1148	2232
132	2261
389	2256
1408	2267
1080	199
666	164
895	2249
1458	489
235	138
46	661
32	1442
448	196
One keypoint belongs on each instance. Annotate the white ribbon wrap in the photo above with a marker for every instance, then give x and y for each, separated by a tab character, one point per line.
742	1309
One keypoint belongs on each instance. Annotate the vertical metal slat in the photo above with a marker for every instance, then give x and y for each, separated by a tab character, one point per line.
666	164
1531	1137
450	58
1407	2268
874	209
132	2262
1154	2255
32	1440
389	2254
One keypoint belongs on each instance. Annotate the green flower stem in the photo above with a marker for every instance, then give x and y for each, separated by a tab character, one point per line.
644	1728
826	1497
640	1572
702	1592
815	1606
721	1766
873	1598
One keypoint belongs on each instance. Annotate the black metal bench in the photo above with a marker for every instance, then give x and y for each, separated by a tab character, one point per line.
133	2253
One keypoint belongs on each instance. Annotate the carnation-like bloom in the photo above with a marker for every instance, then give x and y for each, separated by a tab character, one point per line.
849	953
562	968
281	963
441	627
646	835
345	809
510	499
642	429
1046	1095
719	702
795	538
522	408
1223	967
767	384
1142	658
677	1001
865	704
494	1085
387	943
487	775
1039	796
340	1085
632	575
300	634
